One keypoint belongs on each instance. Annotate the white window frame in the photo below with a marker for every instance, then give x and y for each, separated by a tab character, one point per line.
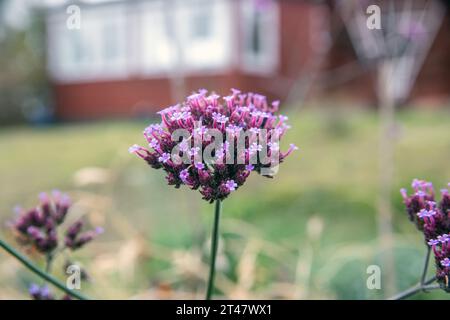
97	68
219	44
180	19
146	11
132	61
267	61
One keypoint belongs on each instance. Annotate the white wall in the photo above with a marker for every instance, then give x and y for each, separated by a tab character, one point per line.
124	39
97	50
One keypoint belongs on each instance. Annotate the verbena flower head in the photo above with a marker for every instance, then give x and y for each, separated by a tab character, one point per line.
40	292
38	227
212	144
433	219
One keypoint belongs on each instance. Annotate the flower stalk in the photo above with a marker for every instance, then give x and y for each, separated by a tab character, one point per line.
214	246
416	289
423	286
425	266
212	144
33	268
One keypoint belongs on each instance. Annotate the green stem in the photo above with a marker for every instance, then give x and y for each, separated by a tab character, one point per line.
27	263
214	244
423	286
415	289
430	281
48	263
425	267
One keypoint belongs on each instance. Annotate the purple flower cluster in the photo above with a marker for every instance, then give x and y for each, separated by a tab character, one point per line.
433	219
234	116
43	293
38	227
40	292
75	239
441	250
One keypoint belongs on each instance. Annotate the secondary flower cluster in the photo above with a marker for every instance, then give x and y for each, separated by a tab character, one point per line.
433	219
43	293
235	116
40	292
38	227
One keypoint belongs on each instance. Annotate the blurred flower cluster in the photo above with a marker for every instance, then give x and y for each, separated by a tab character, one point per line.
224	140
40	292
39	229
433	219
43	293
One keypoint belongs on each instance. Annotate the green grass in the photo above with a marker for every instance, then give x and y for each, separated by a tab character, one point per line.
334	177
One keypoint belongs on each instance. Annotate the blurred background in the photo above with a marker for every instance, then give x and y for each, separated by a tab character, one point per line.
367	91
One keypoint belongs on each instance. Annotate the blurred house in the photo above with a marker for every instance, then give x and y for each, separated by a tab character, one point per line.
134	57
